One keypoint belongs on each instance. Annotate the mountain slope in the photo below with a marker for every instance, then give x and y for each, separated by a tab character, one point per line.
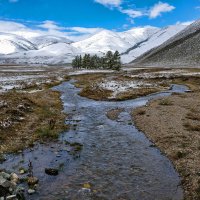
181	50
10	43
47	40
59	53
108	40
101	43
150	42
50	49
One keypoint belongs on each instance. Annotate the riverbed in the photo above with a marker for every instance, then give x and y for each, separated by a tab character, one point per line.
116	160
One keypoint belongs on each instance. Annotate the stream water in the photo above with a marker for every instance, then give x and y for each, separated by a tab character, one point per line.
117	161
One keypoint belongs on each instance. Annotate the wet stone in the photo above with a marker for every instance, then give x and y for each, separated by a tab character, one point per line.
11	197
2	180
32	181
31	191
51	171
14	178
2	159
5	175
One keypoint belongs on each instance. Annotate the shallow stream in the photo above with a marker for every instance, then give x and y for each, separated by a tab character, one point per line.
117	162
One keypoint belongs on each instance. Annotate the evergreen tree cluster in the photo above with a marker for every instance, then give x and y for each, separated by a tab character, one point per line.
109	61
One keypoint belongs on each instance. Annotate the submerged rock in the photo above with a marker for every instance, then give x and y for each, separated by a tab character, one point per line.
5	175
8	187
51	171
31	191
32	181
2	158
14	178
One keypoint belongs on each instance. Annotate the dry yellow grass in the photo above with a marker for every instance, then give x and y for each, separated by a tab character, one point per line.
135	93
90	89
31	117
175	130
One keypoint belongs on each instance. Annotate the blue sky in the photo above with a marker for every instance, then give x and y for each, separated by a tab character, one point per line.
109	14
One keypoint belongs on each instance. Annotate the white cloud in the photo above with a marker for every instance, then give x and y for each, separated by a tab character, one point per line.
85	30
47	28
153	12
187	23
10	26
132	13
80	33
117	4
74	33
50	25
130	20
160	8
125	26
109	3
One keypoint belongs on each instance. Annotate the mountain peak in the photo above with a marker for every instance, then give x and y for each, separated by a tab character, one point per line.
54	49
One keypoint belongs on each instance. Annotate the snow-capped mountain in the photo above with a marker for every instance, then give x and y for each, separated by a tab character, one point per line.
181	50
101	43
59	53
10	43
50	49
109	40
150	42
47	40
135	35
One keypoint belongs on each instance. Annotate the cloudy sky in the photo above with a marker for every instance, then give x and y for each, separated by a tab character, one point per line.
80	18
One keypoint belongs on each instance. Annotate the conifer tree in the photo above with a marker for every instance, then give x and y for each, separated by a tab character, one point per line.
84	62
80	62
117	61
108	61
75	62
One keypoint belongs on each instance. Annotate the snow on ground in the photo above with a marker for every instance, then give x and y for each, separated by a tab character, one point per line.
19	81
90	72
22	70
30	77
123	86
132	69
165	74
191	74
20	78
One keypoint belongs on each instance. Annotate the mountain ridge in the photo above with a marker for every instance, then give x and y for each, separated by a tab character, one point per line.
131	44
180	50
